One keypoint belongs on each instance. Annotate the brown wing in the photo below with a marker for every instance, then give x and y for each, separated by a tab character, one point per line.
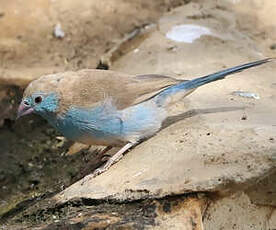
87	88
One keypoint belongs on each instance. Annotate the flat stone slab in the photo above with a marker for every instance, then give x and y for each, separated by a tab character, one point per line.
215	141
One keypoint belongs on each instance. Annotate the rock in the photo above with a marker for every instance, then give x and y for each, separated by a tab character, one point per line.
29	50
58	31
237	212
172	213
204	146
23	76
213	142
272	220
263	192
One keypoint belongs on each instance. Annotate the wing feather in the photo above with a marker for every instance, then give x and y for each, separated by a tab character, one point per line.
88	88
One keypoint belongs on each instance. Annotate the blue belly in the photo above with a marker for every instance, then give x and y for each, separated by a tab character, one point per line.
107	125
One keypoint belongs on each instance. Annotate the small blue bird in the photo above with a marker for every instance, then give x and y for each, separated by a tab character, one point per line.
99	107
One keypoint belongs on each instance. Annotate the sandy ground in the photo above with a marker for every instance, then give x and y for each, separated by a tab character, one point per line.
222	143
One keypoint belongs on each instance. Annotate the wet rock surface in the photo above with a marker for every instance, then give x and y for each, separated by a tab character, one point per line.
215	142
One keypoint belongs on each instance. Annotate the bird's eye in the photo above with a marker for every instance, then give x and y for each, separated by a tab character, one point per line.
26	103
38	99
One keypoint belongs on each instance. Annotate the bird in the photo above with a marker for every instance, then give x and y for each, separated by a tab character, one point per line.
109	108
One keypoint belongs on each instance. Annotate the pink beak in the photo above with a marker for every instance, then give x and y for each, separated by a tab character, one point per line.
23	110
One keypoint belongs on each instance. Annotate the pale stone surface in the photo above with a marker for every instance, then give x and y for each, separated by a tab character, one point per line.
264	191
221	142
237	212
272	220
184	215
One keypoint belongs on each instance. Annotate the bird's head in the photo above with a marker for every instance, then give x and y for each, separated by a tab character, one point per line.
38	102
39	97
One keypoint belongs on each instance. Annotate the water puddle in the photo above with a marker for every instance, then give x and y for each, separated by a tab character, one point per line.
187	33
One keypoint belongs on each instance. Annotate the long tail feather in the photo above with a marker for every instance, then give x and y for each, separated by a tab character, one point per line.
188	86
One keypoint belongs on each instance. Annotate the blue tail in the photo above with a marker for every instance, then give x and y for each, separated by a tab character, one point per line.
188	86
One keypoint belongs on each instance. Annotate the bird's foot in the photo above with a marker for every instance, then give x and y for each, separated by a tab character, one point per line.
103	168
99	170
115	158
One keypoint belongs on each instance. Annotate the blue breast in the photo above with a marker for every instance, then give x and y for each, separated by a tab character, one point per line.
79	123
107	124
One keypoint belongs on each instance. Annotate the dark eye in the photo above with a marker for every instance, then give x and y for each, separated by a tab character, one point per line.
38	99
26	103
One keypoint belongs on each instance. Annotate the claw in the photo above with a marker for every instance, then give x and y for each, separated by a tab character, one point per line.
115	158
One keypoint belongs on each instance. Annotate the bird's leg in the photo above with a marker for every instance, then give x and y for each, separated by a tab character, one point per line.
102	154
96	161
115	158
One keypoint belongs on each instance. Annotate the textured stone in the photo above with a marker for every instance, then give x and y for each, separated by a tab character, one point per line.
237	212
214	141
